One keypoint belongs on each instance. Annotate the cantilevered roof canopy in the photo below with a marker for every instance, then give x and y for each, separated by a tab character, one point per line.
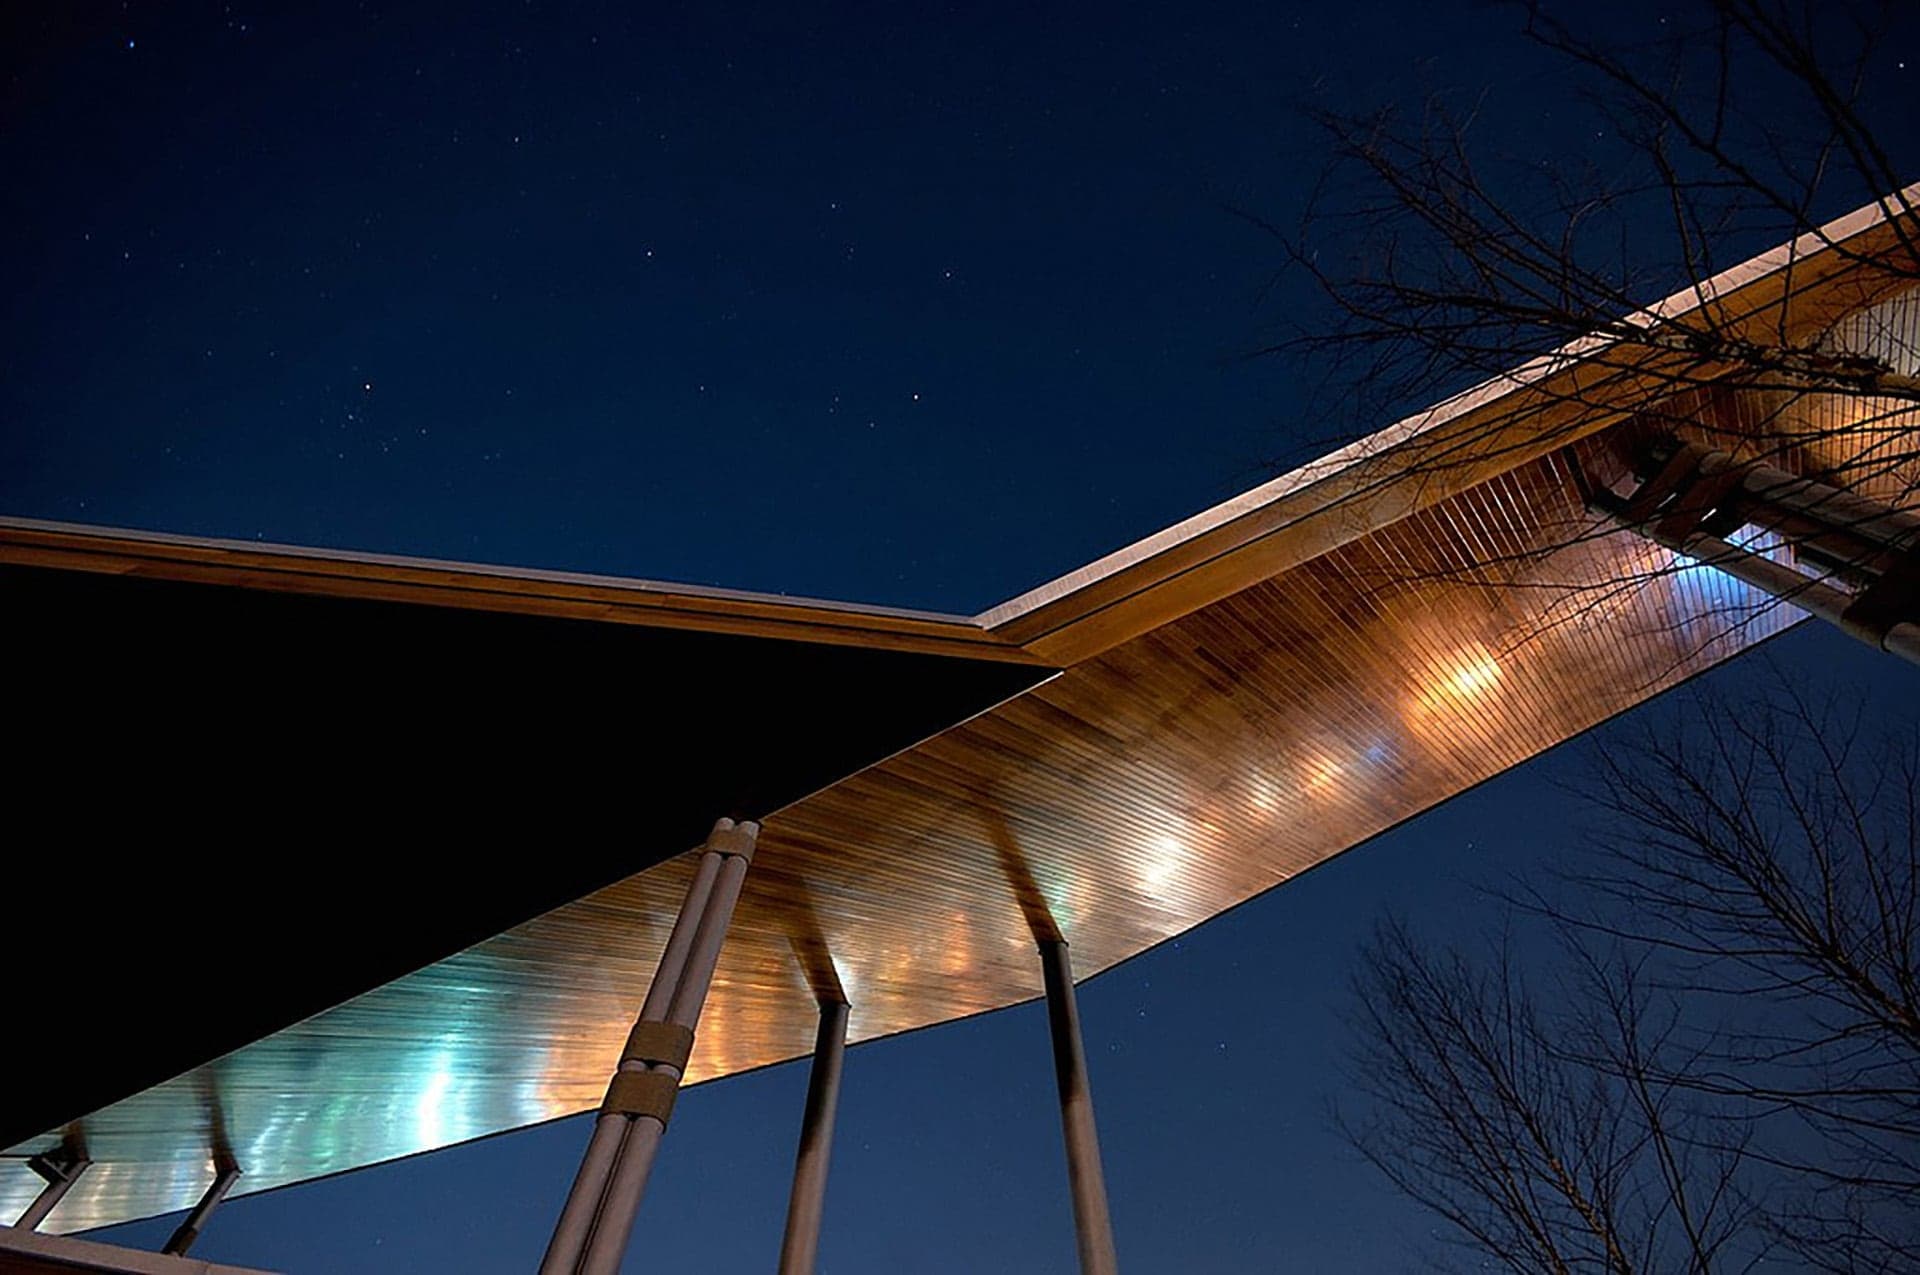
435	812
252	803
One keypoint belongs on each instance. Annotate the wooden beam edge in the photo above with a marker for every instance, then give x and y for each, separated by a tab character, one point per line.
447	585
1292	518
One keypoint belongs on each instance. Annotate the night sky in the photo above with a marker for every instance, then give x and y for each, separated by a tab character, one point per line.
899	304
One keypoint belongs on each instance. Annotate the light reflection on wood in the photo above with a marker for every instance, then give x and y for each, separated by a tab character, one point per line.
1127	800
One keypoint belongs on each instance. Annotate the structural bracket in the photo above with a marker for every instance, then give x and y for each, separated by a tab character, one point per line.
61	1168
658	1044
642	1093
226	1172
1695	497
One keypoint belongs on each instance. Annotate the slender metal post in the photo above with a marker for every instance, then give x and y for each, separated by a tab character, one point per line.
1093	1228
798	1250
226	1173
610	1129
608	1244
61	1172
690	993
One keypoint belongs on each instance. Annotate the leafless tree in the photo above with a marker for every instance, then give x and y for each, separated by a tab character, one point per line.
1772	856
1737	126
1482	1108
1721	1069
1729	1073
1742	129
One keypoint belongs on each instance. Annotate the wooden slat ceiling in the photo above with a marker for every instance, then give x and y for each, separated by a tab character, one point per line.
336	791
1239	703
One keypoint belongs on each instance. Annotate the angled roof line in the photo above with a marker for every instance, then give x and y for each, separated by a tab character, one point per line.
474	586
1073	617
1511	418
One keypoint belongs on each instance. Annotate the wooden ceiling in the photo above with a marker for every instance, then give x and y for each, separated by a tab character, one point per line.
1241	698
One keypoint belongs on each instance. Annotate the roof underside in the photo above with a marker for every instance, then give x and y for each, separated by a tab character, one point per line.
1243	697
253	805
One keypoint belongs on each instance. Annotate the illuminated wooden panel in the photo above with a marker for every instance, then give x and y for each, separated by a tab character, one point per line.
1247	694
1141	792
1796	293
332	792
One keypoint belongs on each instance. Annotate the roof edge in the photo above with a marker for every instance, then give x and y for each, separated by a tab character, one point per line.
1317	485
488	587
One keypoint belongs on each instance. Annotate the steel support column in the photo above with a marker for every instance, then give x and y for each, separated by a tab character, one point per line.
591	1235
799	1248
1814	596
226	1173
1692	498
61	1169
1093	1228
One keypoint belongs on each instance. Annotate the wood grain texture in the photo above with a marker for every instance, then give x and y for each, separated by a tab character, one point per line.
1794	293
1245	697
1126	800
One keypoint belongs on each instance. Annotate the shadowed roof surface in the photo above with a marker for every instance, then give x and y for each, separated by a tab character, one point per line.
460	795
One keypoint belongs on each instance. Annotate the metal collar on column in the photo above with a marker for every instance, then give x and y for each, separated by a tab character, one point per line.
591	1235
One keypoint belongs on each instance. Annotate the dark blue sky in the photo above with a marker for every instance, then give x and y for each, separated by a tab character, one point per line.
900	304
653	292
1215	1059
